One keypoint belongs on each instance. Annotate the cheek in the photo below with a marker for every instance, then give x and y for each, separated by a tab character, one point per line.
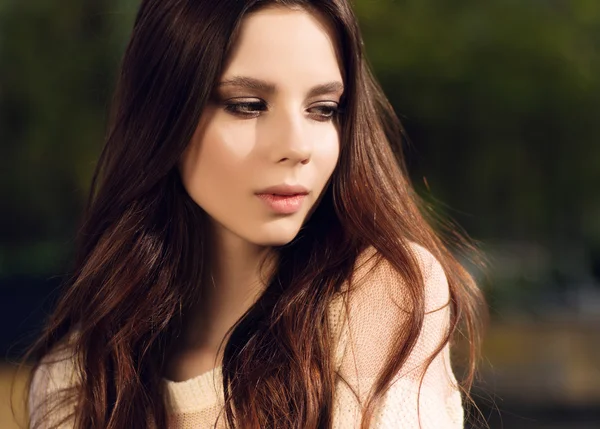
327	152
216	153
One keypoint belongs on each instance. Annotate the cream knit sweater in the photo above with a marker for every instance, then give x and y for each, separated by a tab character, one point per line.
362	336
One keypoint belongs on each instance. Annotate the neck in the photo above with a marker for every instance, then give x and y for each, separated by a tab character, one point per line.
234	282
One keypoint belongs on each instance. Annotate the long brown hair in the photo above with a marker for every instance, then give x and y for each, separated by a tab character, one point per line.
141	252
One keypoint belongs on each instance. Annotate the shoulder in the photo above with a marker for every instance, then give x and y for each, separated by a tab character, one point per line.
375	304
437	291
51	382
377	319
56	370
373	273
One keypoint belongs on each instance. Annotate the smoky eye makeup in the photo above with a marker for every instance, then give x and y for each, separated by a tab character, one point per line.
233	95
239	102
246	104
246	108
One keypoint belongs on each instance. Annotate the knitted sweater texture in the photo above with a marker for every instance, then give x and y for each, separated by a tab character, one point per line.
364	325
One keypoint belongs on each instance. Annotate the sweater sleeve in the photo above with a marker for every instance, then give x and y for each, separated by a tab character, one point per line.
50	401
377	306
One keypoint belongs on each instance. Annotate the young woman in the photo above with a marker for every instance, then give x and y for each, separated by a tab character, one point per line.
253	254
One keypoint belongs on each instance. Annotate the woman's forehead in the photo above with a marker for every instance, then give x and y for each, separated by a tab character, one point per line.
283	45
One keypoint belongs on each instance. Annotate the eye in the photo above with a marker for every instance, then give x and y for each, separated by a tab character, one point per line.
325	112
246	109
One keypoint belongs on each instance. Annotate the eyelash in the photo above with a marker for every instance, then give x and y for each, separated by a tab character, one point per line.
252	109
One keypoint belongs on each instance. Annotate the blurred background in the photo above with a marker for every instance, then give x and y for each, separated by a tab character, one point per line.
501	99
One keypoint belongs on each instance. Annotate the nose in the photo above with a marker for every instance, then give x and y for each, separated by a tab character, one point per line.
290	140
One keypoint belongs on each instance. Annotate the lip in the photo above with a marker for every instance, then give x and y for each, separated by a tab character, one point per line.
283	204
283	189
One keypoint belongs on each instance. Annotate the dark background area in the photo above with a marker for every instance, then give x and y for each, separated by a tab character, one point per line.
501	100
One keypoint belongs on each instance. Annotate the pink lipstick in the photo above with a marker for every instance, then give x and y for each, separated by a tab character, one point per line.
283	204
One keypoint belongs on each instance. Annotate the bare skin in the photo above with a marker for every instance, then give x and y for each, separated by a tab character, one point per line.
250	138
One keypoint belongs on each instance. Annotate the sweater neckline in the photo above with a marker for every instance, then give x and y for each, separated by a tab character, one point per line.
206	390
196	393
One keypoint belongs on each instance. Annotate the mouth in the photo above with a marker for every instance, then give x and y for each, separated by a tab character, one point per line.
285	195
283	203
284	190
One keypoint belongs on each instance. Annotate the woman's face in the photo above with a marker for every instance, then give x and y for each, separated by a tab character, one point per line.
272	122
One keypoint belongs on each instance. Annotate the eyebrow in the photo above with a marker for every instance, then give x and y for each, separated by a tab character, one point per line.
270	88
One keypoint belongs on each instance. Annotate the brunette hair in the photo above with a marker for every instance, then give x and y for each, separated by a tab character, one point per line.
141	249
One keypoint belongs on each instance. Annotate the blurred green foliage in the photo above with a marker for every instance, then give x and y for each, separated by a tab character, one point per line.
58	61
500	99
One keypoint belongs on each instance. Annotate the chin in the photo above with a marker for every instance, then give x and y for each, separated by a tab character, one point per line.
276	238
